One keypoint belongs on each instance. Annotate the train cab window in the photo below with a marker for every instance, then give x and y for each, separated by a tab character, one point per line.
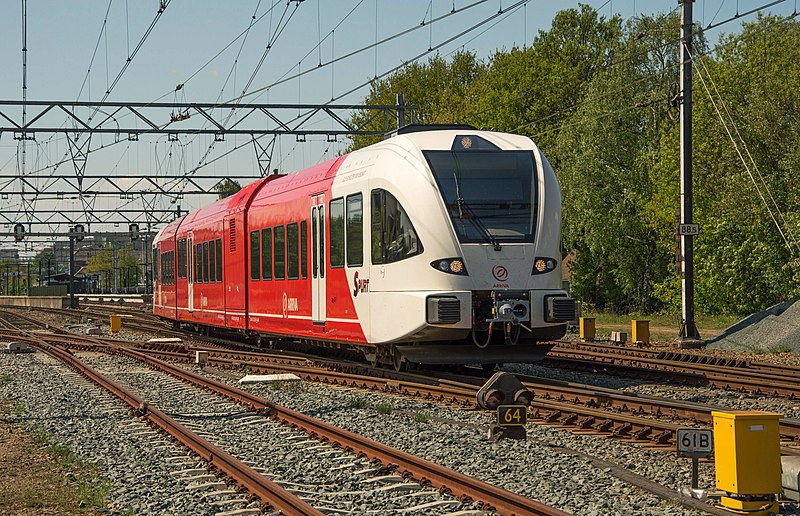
355	231
303	249
266	253
393	235
280	253
292	255
219	260
205	262
182	258
337	233
255	255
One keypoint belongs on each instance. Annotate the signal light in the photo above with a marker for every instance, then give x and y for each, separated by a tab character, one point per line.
19	232
523	397
503	388
492	399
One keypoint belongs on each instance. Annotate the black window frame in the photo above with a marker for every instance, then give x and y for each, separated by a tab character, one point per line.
266	254
279	258
205	262
212	261
219	260
181	258
304	249
292	251
357	236
255	255
336	242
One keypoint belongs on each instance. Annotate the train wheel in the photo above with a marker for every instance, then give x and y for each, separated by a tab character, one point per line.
399	362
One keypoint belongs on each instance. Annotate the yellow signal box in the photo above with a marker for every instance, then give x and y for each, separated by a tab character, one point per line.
586	327
640	331
748	460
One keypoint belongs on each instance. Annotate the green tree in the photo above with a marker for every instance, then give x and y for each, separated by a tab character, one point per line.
442	91
606	150
226	188
105	260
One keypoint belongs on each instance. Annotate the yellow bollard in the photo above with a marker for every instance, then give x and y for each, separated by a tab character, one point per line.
115	321
747	456
640	331
586	328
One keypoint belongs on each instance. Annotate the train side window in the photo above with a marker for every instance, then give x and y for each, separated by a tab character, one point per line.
189	249
337	233
205	262
156	269
266	253
355	231
198	263
393	235
182	258
322	241
314	243
292	258
219	260
303	249
212	258
255	255
280	253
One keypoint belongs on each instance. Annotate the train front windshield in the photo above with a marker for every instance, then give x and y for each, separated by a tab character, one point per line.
490	194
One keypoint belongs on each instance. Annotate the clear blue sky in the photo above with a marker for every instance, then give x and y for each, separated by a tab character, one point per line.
62	37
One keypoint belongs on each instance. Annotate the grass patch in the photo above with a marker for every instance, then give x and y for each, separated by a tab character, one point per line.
384	408
420	417
86	478
780	348
662	326
359	404
6	378
43	476
276	385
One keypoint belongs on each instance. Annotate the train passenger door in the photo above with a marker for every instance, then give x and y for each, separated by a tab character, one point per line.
318	293
190	272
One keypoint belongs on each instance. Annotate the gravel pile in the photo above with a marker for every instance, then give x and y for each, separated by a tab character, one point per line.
768	331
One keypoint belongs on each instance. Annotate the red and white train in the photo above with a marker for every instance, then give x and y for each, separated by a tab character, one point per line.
438	245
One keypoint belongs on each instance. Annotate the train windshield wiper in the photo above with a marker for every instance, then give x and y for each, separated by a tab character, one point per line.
463	207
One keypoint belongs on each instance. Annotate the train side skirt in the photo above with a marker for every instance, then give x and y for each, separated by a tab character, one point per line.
470	354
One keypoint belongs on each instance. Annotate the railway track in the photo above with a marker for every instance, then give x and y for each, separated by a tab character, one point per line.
739	375
447	481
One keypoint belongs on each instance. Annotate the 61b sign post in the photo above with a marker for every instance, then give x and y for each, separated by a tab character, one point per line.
694	443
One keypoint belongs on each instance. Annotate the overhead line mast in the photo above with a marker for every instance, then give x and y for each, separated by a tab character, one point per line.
687	228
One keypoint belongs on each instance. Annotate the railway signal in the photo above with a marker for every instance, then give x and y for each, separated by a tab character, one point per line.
506	394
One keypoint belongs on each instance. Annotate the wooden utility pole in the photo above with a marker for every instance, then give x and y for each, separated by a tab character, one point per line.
687	229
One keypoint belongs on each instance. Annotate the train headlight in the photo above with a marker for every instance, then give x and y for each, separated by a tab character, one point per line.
450	266
543	265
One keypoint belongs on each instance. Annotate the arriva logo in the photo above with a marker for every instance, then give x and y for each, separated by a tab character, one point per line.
500	273
360	285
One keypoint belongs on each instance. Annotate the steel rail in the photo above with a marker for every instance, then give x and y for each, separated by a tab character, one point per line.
425	472
703	376
268	492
